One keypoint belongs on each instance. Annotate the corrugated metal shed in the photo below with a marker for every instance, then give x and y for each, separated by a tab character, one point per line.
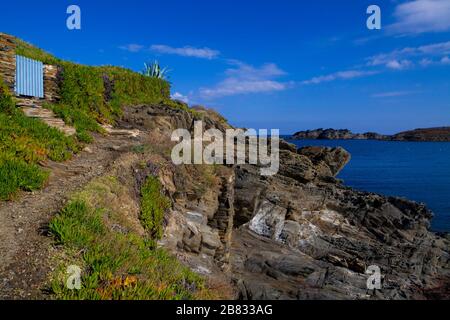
29	77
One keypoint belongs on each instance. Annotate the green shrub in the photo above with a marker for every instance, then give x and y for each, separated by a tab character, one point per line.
130	88
154	70
16	174
84	136
93	95
82	90
28	50
79	119
7	104
59	146
153	207
76	225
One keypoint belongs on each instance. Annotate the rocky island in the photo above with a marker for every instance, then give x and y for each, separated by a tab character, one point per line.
441	134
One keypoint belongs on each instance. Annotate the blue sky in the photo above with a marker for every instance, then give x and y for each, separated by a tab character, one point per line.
284	64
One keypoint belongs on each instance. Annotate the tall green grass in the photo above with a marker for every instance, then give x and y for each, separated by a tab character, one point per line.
153	206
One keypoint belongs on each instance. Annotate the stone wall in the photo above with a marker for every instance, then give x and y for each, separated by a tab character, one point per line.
8	69
7	60
51	83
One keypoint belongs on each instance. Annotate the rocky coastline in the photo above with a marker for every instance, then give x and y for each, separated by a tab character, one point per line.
300	234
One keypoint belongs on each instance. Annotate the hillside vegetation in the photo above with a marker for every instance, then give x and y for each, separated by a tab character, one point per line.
24	143
95	95
119	257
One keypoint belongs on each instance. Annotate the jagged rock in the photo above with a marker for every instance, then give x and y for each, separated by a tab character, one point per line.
335	158
192	238
284	145
196	217
296	166
210	239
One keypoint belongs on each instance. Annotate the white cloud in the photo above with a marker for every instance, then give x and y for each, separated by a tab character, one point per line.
180	97
341	75
244	79
132	47
232	86
187	51
244	70
399	64
402	58
419	16
434	48
392	94
425	62
445	60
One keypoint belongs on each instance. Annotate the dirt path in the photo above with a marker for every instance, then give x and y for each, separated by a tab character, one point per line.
24	244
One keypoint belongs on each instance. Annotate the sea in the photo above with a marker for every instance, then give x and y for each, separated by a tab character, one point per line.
419	171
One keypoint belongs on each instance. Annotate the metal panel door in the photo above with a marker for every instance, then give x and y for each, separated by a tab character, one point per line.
29	77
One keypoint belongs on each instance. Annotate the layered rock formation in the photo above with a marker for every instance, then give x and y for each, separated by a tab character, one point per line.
300	234
8	60
308	237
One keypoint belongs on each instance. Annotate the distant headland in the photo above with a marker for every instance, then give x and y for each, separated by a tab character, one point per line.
441	134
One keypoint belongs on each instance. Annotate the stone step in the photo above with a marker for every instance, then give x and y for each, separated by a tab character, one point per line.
33	110
121	132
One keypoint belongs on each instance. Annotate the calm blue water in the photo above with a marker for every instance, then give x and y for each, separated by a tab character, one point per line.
419	171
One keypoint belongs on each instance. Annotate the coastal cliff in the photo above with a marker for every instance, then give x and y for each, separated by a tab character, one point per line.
441	134
300	234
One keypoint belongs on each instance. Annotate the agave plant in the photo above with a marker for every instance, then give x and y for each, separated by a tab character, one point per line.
154	70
